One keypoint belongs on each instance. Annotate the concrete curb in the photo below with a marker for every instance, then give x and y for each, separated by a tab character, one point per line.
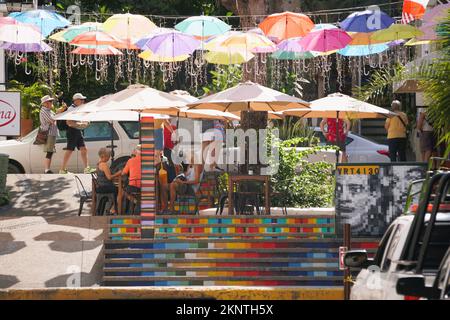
217	293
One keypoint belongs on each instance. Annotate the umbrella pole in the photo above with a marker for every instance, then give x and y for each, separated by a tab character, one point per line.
112	141
337	137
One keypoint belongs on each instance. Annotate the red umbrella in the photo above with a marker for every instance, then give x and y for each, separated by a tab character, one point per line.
97	38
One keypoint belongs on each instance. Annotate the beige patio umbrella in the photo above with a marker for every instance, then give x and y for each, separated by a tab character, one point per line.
206	114
249	96
340	106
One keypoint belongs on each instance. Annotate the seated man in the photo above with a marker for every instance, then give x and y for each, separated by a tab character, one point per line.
133	171
186	183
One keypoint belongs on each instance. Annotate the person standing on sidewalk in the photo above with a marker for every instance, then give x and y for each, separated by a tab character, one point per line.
427	137
47	123
75	137
396	128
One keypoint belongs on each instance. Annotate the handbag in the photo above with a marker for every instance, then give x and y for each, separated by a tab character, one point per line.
41	137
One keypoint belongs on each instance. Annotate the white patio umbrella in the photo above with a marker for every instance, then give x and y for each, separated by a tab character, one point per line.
199	114
340	106
249	96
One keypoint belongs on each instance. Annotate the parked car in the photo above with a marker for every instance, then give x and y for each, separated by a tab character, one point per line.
26	157
359	148
414	244
415	285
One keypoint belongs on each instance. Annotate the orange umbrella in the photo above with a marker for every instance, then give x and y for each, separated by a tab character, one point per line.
286	25
362	38
97	38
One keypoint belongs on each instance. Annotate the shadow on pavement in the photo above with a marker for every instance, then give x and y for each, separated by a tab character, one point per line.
7	281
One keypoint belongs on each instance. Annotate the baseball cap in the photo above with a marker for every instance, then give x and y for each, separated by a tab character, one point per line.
46	98
78	96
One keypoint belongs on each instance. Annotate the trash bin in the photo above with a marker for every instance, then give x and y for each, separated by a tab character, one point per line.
4	158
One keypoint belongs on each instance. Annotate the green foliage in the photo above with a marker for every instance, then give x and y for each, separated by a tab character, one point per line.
292	127
223	77
299	182
31	98
292	85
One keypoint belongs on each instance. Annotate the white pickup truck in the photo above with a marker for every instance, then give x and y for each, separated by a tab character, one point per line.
414	244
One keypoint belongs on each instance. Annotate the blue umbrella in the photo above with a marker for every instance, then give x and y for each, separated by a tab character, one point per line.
363	50
366	21
45	20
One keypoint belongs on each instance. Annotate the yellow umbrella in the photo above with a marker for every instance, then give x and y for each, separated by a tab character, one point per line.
326	53
396	32
129	27
215	42
148	55
247	41
58	36
228	57
415	42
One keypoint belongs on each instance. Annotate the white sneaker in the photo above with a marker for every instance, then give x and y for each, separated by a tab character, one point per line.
64	171
89	169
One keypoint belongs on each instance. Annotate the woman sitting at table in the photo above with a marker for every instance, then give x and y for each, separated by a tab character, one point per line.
105	177
187	183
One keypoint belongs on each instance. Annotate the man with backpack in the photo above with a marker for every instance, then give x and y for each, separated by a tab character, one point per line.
396	128
75	137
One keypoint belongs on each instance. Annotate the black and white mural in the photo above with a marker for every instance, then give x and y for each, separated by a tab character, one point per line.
372	197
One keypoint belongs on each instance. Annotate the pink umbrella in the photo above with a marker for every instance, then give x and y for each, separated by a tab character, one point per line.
8	20
429	32
325	40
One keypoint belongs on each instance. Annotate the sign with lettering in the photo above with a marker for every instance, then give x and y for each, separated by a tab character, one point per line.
10	105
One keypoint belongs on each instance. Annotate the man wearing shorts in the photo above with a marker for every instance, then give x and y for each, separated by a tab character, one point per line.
75	138
47	123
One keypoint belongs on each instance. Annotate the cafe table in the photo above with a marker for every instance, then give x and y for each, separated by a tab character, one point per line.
237	178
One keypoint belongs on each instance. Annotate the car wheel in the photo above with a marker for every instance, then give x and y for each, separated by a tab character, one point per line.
14	168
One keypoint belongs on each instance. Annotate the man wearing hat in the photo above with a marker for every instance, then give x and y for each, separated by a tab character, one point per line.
75	137
47	123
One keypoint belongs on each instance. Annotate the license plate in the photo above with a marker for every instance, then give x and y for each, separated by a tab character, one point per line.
363	170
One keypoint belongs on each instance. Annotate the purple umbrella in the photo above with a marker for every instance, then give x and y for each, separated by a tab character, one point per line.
25	47
366	21
396	43
291	45
169	44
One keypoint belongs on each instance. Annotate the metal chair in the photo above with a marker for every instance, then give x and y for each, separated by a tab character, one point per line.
85	196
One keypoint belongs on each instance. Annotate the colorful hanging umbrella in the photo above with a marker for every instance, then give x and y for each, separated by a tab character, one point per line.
71	32
416	42
325	40
96	50
395	43
248	41
45	20
286	25
148	55
26	47
363	38
322	26
367	21
170	44
20	34
429	32
214	43
362	50
292	55
203	26
397	32
129	28
291	45
96	38
436	14
228	57
8	20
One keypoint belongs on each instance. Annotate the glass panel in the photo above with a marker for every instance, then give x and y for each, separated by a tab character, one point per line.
131	128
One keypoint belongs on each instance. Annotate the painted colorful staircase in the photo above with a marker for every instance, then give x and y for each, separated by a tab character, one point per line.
225	251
